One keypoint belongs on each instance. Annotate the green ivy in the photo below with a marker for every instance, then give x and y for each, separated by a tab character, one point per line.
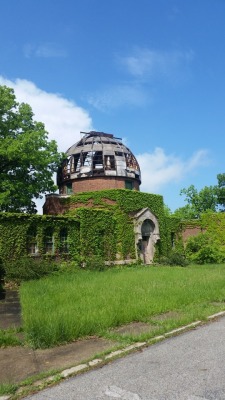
122	204
98	224
15	229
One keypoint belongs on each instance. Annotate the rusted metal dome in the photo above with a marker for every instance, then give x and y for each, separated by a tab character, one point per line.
98	155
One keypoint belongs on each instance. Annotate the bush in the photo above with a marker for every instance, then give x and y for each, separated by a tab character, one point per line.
28	268
208	254
195	243
203	249
95	263
175	258
2	274
68	266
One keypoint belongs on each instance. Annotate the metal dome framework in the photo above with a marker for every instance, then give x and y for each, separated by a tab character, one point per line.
98	154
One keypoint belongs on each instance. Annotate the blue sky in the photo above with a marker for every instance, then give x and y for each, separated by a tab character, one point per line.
150	72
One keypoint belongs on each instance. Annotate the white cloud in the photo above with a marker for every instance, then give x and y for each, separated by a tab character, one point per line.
143	67
45	50
145	63
115	97
63	119
159	169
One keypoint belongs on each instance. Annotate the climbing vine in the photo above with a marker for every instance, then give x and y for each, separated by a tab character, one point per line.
122	204
96	224
16	231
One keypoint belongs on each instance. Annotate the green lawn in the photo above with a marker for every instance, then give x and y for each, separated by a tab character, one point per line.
61	308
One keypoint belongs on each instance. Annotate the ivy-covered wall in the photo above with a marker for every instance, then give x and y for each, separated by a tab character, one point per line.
21	233
95	223
123	205
211	222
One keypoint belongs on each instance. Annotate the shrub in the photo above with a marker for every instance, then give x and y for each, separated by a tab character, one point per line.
2	274
95	263
68	266
175	258
204	249
208	254
195	243
27	268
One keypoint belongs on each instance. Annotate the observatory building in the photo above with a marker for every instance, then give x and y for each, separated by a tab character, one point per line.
98	161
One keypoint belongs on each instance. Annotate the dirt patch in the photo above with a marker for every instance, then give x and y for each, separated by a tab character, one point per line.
19	363
218	303
135	328
166	316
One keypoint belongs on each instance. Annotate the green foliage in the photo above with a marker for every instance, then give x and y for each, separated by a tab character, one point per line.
8	337
2	273
27	268
209	254
167	211
27	159
99	224
208	198
198	202
92	303
221	190
121	205
186	212
7	388
95	263
97	233
207	247
176	257
16	231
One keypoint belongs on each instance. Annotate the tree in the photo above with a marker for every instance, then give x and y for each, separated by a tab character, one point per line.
27	158
221	190
186	212
198	202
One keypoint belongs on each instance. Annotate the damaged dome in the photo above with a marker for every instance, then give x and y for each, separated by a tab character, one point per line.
98	154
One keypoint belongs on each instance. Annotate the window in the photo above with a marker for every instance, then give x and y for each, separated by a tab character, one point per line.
48	241
147	228
97	160
129	185
32	245
109	162
63	247
173	239
69	189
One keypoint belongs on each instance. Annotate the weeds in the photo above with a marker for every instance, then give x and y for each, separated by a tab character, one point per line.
9	337
62	308
7	388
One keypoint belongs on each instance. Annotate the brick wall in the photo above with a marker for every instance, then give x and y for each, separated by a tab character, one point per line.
190	231
100	183
53	205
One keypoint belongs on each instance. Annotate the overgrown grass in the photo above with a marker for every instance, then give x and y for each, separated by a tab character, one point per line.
8	337
7	388
62	308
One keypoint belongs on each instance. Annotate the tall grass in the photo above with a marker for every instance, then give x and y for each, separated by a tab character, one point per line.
62	308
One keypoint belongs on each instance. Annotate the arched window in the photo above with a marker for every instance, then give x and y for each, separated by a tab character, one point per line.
147	228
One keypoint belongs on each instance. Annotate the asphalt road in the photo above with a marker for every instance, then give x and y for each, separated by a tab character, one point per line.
190	366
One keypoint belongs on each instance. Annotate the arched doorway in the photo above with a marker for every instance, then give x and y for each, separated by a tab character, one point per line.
146	230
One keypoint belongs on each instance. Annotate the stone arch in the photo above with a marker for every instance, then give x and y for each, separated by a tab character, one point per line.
146	229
